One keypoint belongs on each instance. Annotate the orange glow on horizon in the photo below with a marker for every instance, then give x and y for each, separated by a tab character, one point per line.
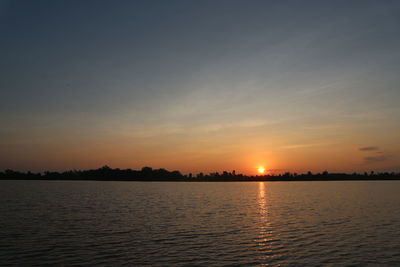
261	170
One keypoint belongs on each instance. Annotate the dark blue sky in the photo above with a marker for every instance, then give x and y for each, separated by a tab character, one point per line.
207	81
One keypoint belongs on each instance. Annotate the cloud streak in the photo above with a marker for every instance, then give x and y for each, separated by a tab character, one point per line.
369	148
376	155
374	159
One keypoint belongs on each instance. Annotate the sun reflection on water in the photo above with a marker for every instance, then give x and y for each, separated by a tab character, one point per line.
264	237
261	199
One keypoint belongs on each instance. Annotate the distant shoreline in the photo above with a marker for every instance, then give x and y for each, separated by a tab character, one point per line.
207	181
147	174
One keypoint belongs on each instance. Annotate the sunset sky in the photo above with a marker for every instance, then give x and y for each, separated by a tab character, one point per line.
200	86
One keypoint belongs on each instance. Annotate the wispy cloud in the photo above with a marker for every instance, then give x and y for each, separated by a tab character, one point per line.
212	127
376	154
295	146
369	148
374	159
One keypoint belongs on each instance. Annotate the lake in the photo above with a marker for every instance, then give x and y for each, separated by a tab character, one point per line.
206	224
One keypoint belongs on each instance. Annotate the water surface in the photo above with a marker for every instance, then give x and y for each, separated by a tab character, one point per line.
167	223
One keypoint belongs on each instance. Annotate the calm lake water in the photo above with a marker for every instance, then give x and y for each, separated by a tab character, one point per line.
168	223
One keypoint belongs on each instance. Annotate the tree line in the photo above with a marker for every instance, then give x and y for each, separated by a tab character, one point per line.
106	173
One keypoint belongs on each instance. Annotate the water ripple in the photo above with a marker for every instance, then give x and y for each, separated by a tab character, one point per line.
201	224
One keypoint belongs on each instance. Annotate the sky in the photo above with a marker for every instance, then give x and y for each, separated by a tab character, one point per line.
200	86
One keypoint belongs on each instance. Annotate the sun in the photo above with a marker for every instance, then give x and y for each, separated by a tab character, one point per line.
261	170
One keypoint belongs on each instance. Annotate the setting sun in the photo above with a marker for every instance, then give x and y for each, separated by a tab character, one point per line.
261	170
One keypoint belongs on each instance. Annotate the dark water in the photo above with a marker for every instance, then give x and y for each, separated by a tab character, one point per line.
136	223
